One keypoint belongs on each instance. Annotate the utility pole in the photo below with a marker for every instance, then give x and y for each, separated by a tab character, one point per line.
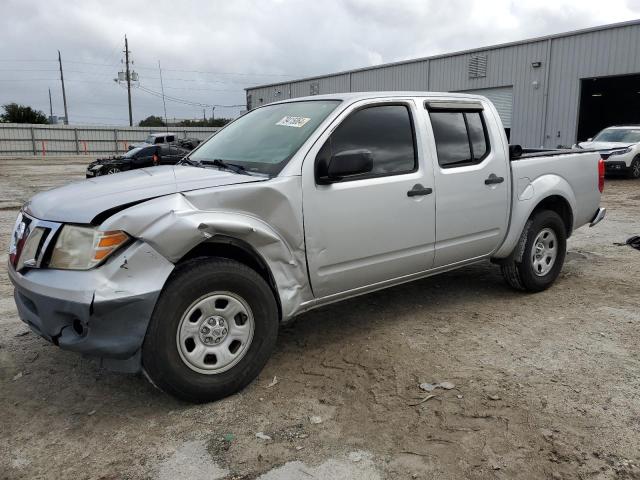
50	107
213	114
126	56
164	104
64	94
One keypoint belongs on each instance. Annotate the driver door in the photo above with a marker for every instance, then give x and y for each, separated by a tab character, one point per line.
372	227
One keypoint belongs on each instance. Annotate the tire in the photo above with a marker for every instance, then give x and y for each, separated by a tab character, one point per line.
112	170
634	168
191	303
539	256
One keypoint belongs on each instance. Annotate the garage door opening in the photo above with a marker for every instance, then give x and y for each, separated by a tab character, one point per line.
607	101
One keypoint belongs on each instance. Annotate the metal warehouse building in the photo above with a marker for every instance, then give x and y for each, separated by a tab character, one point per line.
549	91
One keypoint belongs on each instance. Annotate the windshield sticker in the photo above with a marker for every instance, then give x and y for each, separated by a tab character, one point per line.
296	122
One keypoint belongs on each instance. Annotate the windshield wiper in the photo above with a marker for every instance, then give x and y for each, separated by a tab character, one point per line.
187	161
226	165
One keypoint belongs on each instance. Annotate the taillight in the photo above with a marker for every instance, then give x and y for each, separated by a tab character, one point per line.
601	175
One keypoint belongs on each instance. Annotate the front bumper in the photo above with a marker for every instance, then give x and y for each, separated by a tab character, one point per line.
617	166
92	171
103	312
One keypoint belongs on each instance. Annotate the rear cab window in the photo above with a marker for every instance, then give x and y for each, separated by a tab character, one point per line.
387	131
460	135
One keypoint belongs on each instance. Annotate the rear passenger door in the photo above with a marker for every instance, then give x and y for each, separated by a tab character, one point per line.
471	181
368	228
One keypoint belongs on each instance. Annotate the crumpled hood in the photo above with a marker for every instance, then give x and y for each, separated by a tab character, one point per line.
603	145
80	202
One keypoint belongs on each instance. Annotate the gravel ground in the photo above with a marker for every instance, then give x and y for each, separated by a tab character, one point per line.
545	385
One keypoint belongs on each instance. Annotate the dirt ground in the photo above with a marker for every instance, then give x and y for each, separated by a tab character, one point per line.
546	385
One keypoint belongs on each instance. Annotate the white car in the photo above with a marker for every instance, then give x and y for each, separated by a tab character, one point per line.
626	142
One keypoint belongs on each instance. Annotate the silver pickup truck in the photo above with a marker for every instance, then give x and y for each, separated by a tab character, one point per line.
186	272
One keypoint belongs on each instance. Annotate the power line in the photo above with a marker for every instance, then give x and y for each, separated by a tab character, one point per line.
207	72
185	101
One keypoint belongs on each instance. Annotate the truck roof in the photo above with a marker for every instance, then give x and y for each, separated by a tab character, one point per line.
354	96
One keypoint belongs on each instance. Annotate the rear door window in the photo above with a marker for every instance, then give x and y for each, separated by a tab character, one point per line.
461	137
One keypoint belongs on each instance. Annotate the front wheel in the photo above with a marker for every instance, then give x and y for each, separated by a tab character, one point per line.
538	264
212	331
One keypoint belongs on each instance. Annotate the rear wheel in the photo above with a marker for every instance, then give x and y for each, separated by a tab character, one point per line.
634	169
540	255
212	331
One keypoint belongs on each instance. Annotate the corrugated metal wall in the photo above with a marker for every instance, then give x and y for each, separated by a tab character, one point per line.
597	54
25	139
545	98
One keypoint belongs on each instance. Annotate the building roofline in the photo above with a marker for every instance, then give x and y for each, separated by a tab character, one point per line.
459	52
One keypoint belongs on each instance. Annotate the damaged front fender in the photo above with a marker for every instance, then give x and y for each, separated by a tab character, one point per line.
264	215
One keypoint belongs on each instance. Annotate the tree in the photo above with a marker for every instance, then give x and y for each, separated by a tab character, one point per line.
14	113
152	121
210	122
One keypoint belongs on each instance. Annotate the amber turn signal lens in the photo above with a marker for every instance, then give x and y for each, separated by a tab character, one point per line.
108	242
112	239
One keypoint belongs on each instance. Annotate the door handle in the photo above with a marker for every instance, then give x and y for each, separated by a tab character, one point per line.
493	179
418	190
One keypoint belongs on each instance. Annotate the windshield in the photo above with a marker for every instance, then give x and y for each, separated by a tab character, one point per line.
150	139
132	152
265	139
621	135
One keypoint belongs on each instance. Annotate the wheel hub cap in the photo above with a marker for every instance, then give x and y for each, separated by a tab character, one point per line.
215	332
544	252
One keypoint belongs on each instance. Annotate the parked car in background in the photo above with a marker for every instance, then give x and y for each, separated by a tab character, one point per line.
620	146
164	138
187	272
140	157
155	139
188	143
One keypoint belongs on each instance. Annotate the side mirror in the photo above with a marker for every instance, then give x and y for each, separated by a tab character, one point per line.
589	139
344	164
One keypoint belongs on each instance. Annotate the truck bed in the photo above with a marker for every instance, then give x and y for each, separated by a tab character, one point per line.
547	152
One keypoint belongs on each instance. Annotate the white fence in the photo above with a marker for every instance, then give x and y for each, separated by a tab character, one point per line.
27	139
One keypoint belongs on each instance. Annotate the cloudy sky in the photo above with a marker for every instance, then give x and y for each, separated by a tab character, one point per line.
210	51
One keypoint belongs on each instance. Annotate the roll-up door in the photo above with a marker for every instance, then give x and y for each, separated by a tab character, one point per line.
502	98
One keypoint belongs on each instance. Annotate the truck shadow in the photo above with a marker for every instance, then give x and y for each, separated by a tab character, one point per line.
460	289
72	378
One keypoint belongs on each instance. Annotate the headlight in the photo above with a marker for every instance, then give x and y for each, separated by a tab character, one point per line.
82	248
620	152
